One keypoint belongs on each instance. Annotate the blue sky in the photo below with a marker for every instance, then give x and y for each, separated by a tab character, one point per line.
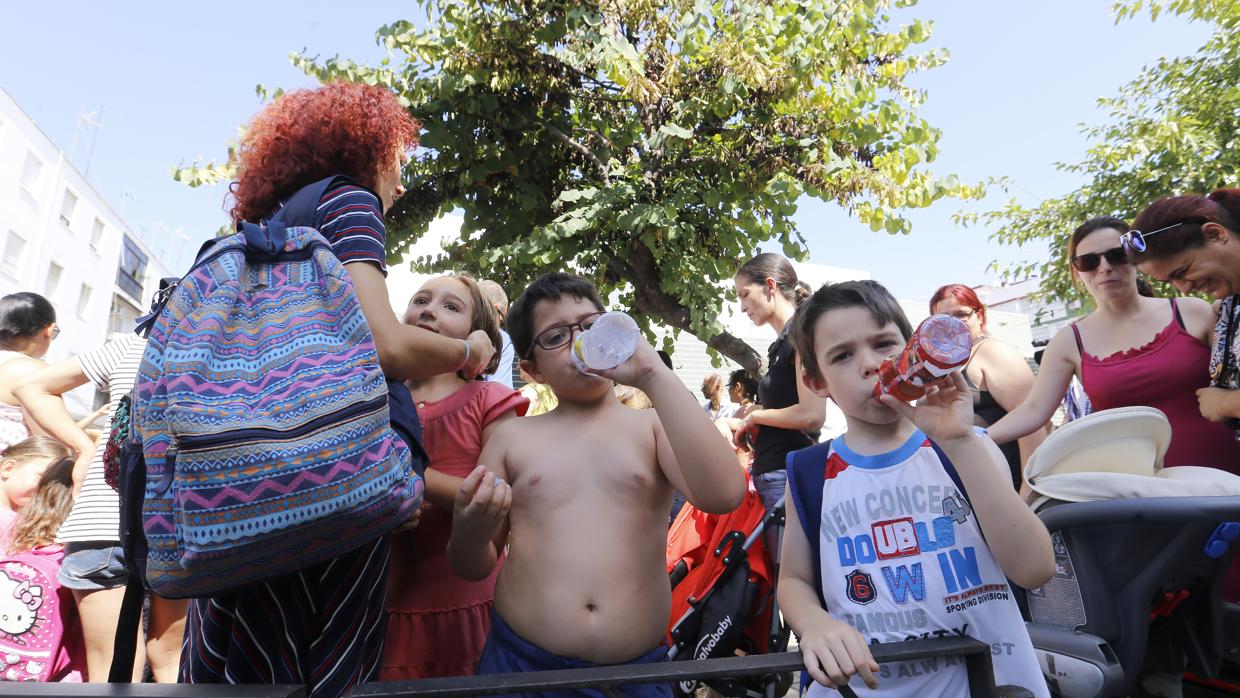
175	80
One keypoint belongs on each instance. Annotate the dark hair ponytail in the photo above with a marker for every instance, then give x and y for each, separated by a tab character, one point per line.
1229	201
23	315
769	265
801	293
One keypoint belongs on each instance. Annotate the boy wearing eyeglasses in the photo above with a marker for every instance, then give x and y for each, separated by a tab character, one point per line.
580	495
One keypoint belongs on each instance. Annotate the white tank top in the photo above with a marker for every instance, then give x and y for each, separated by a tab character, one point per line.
903	557
12	421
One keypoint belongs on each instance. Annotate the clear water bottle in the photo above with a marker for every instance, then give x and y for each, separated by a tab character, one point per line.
940	346
609	342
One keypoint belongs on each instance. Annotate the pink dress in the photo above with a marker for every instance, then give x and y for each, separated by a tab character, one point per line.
437	622
1165	374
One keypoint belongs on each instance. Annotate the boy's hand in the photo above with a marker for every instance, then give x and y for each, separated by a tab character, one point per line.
638	368
833	651
482	504
945	413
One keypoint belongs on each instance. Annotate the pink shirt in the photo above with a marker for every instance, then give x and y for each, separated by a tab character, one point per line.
1164	374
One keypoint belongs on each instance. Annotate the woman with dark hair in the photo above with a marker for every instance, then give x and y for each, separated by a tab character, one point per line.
791	414
742	390
1131	351
323	626
1193	242
998	376
27	328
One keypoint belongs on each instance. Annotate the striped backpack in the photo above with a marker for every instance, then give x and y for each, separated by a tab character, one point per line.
263	416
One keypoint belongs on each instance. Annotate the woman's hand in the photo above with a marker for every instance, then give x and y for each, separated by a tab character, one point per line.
945	413
745	432
1218	404
480	352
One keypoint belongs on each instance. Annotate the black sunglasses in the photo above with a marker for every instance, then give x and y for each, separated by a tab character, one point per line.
1090	260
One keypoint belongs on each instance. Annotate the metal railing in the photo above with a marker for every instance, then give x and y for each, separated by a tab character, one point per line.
976	657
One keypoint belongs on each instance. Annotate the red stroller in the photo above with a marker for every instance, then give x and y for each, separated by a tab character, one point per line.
723	593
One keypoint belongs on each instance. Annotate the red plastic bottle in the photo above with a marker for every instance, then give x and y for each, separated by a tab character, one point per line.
940	345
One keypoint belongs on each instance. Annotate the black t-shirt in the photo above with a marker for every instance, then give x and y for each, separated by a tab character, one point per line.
778	389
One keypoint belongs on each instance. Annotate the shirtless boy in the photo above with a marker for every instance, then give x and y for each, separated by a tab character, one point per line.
581	496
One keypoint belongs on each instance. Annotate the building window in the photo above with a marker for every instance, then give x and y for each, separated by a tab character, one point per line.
124	315
83	301
54	272
14	249
67	205
32	172
96	235
132	270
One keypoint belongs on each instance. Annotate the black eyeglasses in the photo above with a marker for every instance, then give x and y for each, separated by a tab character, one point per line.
557	336
1090	260
963	314
55	331
1134	240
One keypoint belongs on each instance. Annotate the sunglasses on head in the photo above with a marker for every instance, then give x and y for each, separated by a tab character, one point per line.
1134	240
1090	260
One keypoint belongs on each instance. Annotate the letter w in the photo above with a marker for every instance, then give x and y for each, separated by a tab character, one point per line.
901	583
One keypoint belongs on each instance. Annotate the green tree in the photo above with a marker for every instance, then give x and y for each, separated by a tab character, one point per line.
1171	130
652	145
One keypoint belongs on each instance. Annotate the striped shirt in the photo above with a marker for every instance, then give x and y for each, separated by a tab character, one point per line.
96	511
350	217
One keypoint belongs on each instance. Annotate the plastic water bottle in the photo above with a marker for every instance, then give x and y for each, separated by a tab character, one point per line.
940	345
609	342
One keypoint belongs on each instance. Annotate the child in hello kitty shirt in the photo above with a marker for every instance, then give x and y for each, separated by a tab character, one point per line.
40	632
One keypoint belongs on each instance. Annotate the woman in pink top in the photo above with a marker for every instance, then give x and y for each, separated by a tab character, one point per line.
437	623
1131	351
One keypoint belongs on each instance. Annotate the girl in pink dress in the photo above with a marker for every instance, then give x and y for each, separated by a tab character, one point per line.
437	622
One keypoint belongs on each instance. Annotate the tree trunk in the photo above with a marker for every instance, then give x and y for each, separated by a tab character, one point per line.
642	271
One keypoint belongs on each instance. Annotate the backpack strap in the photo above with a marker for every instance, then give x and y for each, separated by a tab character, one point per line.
301	207
125	644
950	468
806	469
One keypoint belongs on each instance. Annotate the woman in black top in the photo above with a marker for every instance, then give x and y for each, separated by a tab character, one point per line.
997	374
791	414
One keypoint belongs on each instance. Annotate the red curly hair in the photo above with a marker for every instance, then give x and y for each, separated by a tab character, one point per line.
307	135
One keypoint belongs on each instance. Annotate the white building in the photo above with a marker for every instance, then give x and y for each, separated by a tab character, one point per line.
1043	318
59	238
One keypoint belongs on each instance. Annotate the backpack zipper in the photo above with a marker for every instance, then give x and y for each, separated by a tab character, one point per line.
205	441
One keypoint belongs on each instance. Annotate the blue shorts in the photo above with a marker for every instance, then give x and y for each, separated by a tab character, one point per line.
506	652
92	566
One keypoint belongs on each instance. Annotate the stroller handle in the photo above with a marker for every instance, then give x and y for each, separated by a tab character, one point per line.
1141	510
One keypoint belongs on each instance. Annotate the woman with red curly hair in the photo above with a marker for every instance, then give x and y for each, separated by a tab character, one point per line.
323	626
998	376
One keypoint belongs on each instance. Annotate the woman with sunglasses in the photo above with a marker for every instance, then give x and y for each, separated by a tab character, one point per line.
1131	350
998	376
27	328
1194	244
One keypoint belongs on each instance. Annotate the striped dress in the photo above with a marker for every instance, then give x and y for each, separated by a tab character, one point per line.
323	626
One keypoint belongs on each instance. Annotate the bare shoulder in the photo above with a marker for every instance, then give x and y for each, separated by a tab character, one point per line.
21	366
1196	309
999	351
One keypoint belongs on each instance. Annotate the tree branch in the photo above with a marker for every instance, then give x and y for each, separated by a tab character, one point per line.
602	169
